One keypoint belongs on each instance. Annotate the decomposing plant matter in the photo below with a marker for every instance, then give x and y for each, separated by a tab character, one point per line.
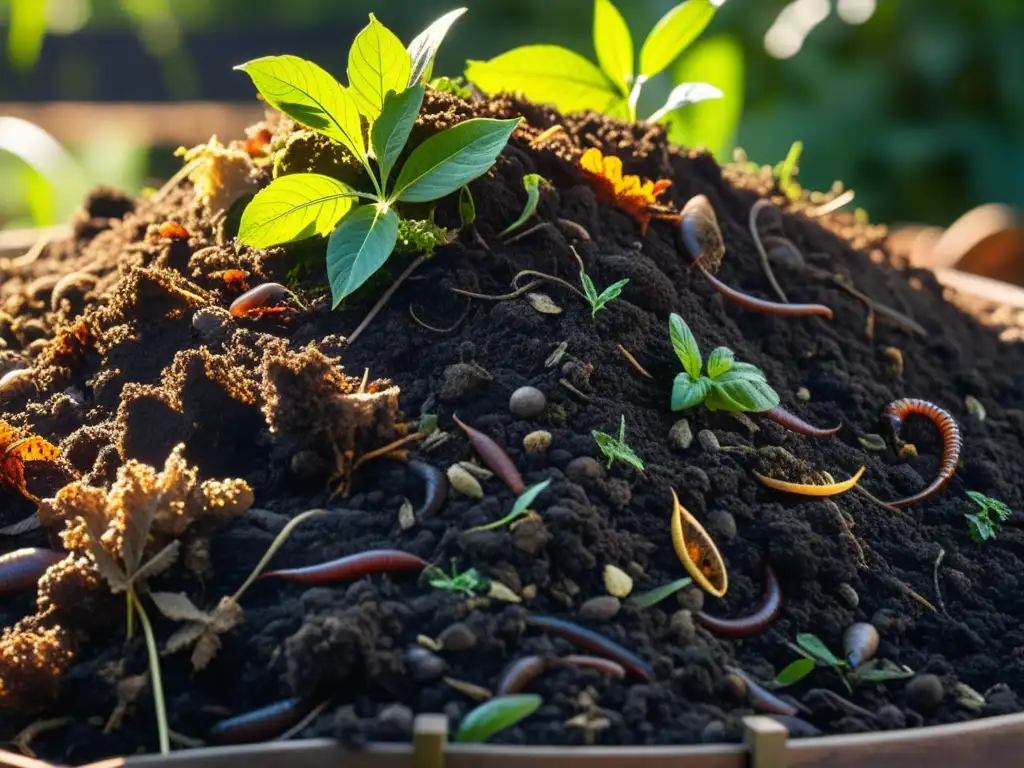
696	550
952	441
638	199
17	449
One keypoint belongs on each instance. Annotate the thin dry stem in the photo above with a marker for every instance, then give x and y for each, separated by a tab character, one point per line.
385	297
832	205
634	362
530	231
385	450
935	579
503	297
551	278
297	728
275	545
442	331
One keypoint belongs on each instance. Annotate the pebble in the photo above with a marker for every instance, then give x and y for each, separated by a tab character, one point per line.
924	693
70	291
537	442
894	357
713	732
527	403
735	686
457	637
680	436
708	441
682	625
463	482
424	665
617	582
849	594
585	470
803	394
723	524
691	598
15	384
600	608
891	717
395	721
529	592
213	324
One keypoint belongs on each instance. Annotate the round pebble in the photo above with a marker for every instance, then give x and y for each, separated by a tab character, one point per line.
600	608
457	637
680	436
723	524
527	403
213	324
803	394
849	594
585	470
537	442
713	732
924	693
682	625
16	383
395	721
708	441
424	665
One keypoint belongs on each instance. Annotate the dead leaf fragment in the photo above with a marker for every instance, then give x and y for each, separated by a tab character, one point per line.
543	304
202	629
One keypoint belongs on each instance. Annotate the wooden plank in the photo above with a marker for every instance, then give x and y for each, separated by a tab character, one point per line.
306	753
699	756
429	736
766	740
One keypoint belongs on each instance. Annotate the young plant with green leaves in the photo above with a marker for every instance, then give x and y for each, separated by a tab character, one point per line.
519	508
616	448
729	384
469	582
532	183
814	653
371	119
555	75
598	301
984	523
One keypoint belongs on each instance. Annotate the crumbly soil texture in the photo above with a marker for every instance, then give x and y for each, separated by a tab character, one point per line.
136	353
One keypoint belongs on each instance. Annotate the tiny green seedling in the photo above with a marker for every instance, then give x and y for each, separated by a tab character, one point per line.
729	384
787	170
656	595
467	207
598	301
982	526
372	120
520	508
616	448
555	75
469	582
532	182
814	653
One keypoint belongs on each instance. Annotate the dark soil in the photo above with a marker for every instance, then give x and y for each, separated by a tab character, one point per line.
143	385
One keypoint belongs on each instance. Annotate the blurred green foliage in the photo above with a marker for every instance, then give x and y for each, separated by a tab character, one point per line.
920	109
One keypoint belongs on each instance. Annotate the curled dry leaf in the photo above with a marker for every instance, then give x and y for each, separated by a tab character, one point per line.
697	551
202	629
543	304
872	441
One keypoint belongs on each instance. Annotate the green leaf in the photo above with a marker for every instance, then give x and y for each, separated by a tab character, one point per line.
817	648
613	44
467	207
377	63
294	207
683	95
719	361
531	182
786	171
741	391
714	123
980	527
423	48
656	595
392	127
795	672
688	392
310	96
526	498
470	582
451	158
588	288
616	449
685	345
359	247
496	715
673	32
612	292
547	74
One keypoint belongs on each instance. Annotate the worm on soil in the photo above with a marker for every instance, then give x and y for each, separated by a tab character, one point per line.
762	616
796	424
260	724
435	486
604	666
761	305
21	569
494	457
350	567
594	642
755	211
761	699
952	441
519	674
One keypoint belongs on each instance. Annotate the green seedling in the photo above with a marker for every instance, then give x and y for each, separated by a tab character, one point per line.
469	582
656	595
520	508
532	182
496	715
556	75
456	86
787	170
981	525
814	653
371	119
616	448
598	301
467	207
729	384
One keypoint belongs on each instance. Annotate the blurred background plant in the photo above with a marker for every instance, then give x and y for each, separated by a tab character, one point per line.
918	105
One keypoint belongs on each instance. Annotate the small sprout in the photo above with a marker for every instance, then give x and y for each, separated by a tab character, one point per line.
656	595
787	170
697	552
456	86
617	448
597	301
532	182
467	206
795	672
626	192
495	716
470	582
520	508
982	526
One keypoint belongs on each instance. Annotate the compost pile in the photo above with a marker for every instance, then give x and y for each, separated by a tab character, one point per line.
130	352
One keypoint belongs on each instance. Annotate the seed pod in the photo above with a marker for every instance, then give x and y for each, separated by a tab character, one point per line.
464	483
617	581
860	641
701	233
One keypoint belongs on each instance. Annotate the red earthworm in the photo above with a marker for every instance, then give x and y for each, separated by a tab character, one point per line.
592	641
596	663
361	564
21	569
796	424
261	296
435	487
761	699
519	674
260	724
762	616
763	305
494	456
952	441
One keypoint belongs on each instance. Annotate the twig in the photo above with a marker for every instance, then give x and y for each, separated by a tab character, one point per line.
385	297
634	362
568	385
163	733
545	135
552	278
935	578
365	381
275	545
503	297
317	710
449	329
841	281
832	205
530	231
572	226
478	238
755	210
383	451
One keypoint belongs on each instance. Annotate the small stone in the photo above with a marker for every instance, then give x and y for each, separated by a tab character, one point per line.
723	524
891	718
691	598
460	380
406	515
708	441
394	722
543	304
499	591
682	625
924	693
599	608
213	325
463	482
424	665
735	686
908	451
307	464
680	436
713	732
529	592
894	357
872	441
457	637
849	595
975	408
16	384
537	442
617	582
527	403
803	394
585	470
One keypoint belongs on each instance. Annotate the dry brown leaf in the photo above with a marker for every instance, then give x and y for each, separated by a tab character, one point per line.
202	628
159	563
177	606
183	638
543	304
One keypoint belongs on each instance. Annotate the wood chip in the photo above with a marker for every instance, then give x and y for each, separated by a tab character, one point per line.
556	357
475	692
499	591
543	304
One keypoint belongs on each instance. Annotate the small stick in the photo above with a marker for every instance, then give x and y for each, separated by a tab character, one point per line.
553	279
365	381
755	210
503	297
634	362
935	578
832	205
530	231
546	135
383	451
870	496
385	297
576	229
478	238
317	710
449	329
584	397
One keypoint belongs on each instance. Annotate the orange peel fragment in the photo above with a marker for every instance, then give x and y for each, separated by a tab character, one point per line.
696	551
808	489
627	192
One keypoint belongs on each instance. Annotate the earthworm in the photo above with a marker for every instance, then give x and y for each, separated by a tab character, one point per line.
21	569
860	641
519	674
796	424
763	615
260	724
260	296
592	641
435	486
352	566
762	305
494	456
761	699
604	666
952	441
766	265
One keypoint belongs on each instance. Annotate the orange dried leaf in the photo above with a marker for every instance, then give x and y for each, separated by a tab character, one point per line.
807	489
33	448
15	452
638	199
696	551
256	144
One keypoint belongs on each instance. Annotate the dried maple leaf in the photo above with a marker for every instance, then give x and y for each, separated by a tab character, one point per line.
16	451
638	199
202	629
